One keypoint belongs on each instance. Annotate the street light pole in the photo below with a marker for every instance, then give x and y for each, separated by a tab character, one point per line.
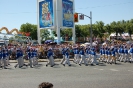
91	29
90	26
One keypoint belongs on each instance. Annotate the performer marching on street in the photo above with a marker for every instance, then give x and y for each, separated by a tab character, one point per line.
50	58
66	57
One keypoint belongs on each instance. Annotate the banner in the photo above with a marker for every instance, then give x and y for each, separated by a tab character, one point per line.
67	12
46	14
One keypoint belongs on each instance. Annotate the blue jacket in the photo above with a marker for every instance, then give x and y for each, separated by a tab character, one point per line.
81	52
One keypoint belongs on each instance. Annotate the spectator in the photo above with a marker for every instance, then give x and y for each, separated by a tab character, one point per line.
45	85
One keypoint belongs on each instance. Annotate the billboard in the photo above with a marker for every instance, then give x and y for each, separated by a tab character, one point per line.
67	13
46	14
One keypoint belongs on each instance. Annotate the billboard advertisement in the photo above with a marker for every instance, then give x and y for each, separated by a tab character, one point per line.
46	14
67	13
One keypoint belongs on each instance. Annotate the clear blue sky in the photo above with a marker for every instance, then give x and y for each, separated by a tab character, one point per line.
13	13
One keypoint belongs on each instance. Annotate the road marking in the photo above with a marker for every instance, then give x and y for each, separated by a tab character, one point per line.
95	68
129	70
114	70
100	69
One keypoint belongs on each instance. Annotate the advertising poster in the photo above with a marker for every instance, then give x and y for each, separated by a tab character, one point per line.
67	12
46	14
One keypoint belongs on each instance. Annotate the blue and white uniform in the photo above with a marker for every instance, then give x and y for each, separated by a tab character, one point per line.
82	54
50	58
66	57
93	55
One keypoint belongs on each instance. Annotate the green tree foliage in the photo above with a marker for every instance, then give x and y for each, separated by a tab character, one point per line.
29	28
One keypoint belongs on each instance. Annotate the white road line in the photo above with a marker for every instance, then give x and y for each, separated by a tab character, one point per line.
100	69
95	68
114	70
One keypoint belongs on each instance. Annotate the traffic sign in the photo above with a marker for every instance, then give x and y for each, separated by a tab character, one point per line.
81	17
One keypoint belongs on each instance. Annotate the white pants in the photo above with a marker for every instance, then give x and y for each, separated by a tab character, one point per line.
3	62
7	60
126	57
83	59
31	61
76	59
109	58
63	59
66	60
35	61
89	58
122	57
94	60
131	57
50	61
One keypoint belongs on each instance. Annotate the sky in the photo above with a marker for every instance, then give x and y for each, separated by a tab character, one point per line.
13	13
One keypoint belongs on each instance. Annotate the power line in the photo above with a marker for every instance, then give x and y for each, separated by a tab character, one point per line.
77	8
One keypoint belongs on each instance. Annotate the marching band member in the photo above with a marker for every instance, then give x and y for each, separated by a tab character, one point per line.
131	52
126	56
109	55
30	57
106	55
100	54
35	59
93	54
76	55
122	54
1	57
66	57
113	58
50	57
63	54
4	58
18	58
82	54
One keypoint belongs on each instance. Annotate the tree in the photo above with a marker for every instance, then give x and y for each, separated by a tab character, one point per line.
29	28
45	34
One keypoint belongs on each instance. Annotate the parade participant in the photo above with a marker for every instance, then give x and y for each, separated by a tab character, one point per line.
109	56
67	52
93	55
1	57
101	49
120	51
82	54
7	56
4	59
131	52
126	56
113	58
35	59
122	54
63	54
103	54
18	58
76	55
50	58
106	55
30	57
116	52
88	55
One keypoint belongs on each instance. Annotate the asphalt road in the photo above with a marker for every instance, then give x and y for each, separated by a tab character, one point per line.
101	76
